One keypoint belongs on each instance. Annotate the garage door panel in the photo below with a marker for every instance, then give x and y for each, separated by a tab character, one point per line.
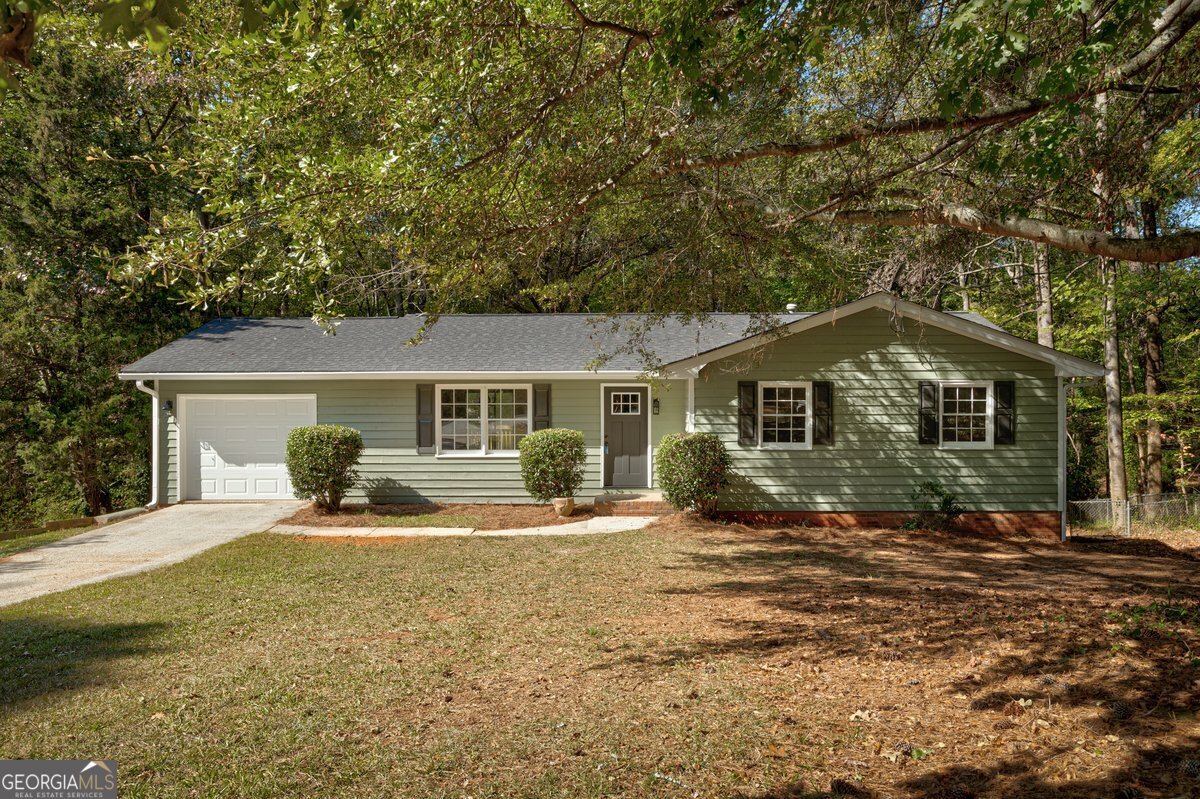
235	446
268	486
236	487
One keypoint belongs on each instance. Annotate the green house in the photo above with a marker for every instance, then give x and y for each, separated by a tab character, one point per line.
830	417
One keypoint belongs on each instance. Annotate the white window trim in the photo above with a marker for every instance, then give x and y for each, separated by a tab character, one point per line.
612	399
990	429
483	452
808	413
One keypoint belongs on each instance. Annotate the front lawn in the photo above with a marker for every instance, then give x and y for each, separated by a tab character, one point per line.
686	660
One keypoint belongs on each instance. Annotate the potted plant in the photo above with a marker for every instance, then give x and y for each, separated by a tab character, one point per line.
552	465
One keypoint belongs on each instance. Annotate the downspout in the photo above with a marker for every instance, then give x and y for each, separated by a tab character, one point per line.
1062	458
690	419
154	412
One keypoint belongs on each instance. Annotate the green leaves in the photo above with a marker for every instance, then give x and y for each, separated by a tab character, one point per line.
692	469
321	461
553	463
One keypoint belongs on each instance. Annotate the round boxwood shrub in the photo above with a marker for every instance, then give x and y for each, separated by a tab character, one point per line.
552	463
321	460
692	469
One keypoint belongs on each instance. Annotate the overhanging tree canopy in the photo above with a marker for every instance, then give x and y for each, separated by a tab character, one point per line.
466	135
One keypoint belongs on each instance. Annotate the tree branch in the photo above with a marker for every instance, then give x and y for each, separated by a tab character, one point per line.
1164	249
615	27
1176	21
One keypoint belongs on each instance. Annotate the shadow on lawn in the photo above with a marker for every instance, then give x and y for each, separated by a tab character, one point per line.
41	656
1098	632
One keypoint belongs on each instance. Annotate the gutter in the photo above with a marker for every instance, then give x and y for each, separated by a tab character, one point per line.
154	413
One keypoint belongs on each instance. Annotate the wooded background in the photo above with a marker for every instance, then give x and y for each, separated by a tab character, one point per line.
161	164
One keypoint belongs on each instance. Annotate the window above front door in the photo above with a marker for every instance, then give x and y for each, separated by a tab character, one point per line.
626	403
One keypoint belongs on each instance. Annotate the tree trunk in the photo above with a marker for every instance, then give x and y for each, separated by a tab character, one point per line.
1045	304
962	286
1117	485
1152	361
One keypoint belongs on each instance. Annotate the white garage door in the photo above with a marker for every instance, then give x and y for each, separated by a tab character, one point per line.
234	446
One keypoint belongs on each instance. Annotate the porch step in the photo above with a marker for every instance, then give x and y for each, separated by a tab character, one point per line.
632	503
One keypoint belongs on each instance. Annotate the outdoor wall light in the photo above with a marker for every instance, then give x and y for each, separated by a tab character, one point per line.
168	406
657	406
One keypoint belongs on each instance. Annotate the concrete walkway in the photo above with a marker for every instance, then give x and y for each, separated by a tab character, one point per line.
595	525
144	542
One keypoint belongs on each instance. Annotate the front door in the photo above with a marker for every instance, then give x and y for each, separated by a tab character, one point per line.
626	419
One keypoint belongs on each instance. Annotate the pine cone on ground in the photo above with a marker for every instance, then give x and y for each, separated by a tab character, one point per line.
845	789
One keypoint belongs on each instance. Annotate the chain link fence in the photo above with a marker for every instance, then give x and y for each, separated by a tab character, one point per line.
1149	511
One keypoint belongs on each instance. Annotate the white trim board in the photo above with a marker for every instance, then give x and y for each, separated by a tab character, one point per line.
1064	365
422	376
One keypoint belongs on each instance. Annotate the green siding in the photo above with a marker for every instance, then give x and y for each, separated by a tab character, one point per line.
875	460
384	411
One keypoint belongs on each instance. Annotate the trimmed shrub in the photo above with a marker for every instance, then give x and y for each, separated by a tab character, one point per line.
552	463
321	460
692	469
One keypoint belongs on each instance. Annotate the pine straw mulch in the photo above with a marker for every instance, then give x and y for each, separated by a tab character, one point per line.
480	516
934	665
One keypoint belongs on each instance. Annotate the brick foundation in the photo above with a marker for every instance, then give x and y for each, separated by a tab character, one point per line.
1039	524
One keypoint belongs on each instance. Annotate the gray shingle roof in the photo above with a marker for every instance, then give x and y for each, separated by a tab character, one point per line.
456	343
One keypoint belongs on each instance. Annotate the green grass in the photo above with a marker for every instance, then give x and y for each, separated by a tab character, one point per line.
426	520
12	546
714	663
274	667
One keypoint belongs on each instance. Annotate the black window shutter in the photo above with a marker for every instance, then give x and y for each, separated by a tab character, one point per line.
1005	395
928	425
541	406
425	419
822	412
747	398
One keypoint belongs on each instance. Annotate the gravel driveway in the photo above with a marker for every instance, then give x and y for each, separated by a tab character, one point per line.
145	542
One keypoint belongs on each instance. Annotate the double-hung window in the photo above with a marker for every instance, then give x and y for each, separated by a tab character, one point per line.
785	418
482	420
967	415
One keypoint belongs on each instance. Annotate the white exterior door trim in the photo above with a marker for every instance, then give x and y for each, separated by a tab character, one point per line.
182	425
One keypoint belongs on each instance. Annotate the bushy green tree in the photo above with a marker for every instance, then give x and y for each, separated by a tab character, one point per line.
78	192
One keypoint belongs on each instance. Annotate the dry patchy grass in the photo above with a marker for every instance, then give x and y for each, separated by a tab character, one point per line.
688	660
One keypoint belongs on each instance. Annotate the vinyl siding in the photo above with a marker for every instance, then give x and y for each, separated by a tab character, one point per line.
384	411
875	460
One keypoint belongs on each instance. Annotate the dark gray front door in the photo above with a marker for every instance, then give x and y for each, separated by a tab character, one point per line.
626	417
